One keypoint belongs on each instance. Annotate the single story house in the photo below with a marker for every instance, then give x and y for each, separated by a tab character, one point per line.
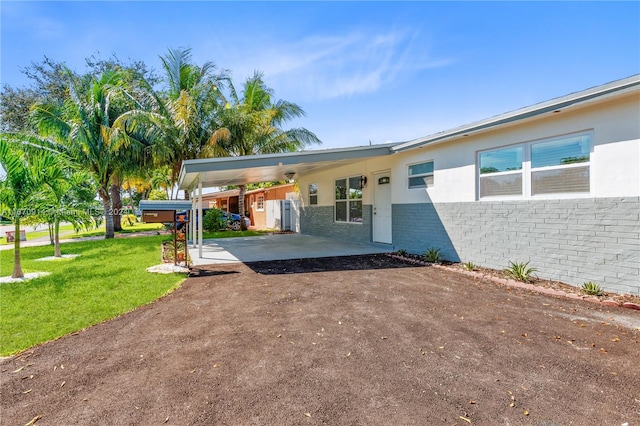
556	184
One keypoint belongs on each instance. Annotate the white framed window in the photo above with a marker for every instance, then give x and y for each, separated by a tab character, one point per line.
313	194
561	165
501	172
260	202
348	200
553	166
420	175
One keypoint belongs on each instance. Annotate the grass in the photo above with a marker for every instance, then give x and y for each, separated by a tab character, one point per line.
38	234
99	232
109	278
138	227
232	234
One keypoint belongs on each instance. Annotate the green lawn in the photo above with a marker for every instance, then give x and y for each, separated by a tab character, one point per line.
138	227
108	279
36	234
232	234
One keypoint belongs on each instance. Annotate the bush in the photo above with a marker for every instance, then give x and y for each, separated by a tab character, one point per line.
214	221
129	219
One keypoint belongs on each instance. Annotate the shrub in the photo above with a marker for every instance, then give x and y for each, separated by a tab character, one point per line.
433	255
129	219
592	288
519	271
402	252
469	266
214	221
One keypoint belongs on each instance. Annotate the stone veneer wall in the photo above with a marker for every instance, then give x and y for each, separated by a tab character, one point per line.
573	240
318	220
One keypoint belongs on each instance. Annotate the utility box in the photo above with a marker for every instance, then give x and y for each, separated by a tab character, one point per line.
158	216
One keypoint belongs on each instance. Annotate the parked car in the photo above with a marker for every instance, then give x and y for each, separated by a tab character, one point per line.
233	219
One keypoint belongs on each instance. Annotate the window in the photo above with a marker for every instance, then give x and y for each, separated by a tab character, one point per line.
501	172
313	194
260	203
552	166
348	200
560	165
421	175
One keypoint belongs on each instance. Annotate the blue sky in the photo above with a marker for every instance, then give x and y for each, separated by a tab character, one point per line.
362	71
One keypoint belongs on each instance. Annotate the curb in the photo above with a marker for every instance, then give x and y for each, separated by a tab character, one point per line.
526	286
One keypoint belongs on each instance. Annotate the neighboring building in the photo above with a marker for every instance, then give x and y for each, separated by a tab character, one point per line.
556	184
261	205
223	200
264	207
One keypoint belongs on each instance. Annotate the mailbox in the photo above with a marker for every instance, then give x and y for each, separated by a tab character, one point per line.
158	216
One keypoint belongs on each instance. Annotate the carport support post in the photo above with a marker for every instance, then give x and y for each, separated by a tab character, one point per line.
192	219
200	223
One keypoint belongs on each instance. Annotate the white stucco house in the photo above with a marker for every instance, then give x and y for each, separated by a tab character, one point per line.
556	184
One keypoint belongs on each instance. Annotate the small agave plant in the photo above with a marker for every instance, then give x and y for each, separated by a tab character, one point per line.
433	255
469	266
519	271
592	288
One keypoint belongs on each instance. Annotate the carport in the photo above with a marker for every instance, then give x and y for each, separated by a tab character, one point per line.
277	247
218	172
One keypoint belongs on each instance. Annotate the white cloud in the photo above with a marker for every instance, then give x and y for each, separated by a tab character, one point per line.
327	67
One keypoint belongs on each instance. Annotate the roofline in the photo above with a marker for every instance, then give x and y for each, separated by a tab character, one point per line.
552	105
280	159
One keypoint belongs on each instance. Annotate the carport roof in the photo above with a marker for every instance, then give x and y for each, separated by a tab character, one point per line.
227	171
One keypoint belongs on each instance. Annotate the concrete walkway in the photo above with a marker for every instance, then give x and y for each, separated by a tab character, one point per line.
277	247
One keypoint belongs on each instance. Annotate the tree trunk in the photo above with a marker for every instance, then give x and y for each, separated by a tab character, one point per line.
108	216
116	202
56	237
17	268
51	235
243	190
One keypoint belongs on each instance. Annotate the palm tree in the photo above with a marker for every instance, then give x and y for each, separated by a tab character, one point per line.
85	130
24	176
252	124
65	196
179	122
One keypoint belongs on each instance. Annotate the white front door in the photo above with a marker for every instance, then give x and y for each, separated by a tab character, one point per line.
382	208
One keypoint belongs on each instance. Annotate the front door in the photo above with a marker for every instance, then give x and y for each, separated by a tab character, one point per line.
382	208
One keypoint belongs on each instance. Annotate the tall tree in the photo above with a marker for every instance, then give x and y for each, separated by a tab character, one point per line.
47	82
24	175
253	123
84	130
65	196
181	120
